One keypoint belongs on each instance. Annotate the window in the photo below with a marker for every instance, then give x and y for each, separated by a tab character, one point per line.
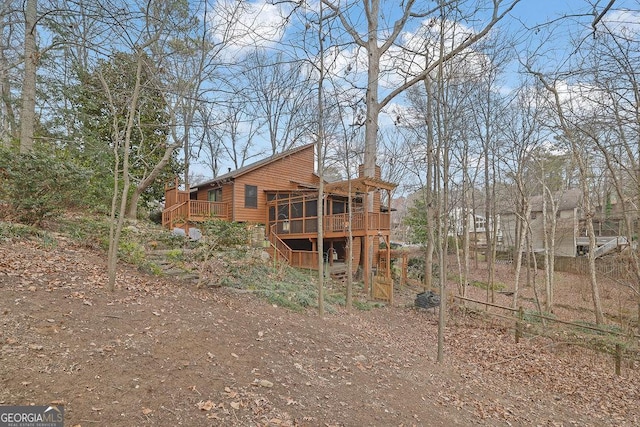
215	195
250	196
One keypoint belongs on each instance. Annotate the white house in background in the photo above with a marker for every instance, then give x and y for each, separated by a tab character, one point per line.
477	225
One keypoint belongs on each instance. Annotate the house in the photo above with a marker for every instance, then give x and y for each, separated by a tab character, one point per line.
477	226
280	193
567	214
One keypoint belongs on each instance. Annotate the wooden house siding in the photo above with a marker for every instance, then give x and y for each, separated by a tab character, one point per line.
281	174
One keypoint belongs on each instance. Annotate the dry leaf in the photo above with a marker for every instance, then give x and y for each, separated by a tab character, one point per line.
146	411
206	406
235	405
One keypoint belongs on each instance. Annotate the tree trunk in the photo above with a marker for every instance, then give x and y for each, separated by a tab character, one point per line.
320	149
132	210
28	112
7	116
115	229
429	187
579	157
595	291
547	250
519	247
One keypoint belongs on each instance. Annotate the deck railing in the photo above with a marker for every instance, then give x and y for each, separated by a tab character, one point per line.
194	210
202	209
295	258
282	250
338	223
174	213
304	259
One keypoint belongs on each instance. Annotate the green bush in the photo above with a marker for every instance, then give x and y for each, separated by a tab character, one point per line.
131	252
36	186
223	234
10	230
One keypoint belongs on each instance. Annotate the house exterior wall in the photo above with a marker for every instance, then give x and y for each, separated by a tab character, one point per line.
277	175
566	232
508	228
566	229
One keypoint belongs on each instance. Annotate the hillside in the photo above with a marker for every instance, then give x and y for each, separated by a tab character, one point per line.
164	353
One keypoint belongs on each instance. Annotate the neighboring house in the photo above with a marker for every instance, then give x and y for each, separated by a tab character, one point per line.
281	194
567	215
477	224
571	239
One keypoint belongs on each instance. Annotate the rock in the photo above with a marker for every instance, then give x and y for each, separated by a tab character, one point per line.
264	383
264	256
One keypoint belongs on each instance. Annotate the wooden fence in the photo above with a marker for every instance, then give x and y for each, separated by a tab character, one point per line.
618	344
609	267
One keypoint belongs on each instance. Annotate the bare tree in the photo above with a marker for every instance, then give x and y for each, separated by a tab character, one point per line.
522	133
581	161
121	138
278	89
31	59
8	60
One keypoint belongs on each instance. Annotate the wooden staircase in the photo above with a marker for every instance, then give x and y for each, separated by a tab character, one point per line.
339	272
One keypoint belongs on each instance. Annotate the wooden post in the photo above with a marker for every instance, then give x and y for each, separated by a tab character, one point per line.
367	264
519	324
366	267
618	358
405	262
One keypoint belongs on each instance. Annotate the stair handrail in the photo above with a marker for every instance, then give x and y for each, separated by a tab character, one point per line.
169	212
610	245
276	242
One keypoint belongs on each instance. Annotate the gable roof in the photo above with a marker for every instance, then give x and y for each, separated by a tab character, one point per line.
566	200
253	166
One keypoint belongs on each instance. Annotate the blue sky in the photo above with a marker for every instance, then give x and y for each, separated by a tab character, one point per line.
527	13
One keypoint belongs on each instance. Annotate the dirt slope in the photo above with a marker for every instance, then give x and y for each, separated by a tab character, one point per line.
167	354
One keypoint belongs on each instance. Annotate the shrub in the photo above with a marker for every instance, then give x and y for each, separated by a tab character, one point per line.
131	252
37	185
223	234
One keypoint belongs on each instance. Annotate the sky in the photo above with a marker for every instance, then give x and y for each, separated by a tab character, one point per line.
530	23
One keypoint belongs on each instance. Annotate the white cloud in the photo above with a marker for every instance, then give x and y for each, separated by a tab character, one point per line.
248	24
624	23
413	52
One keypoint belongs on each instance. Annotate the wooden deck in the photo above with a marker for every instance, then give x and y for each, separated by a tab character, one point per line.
335	225
192	211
